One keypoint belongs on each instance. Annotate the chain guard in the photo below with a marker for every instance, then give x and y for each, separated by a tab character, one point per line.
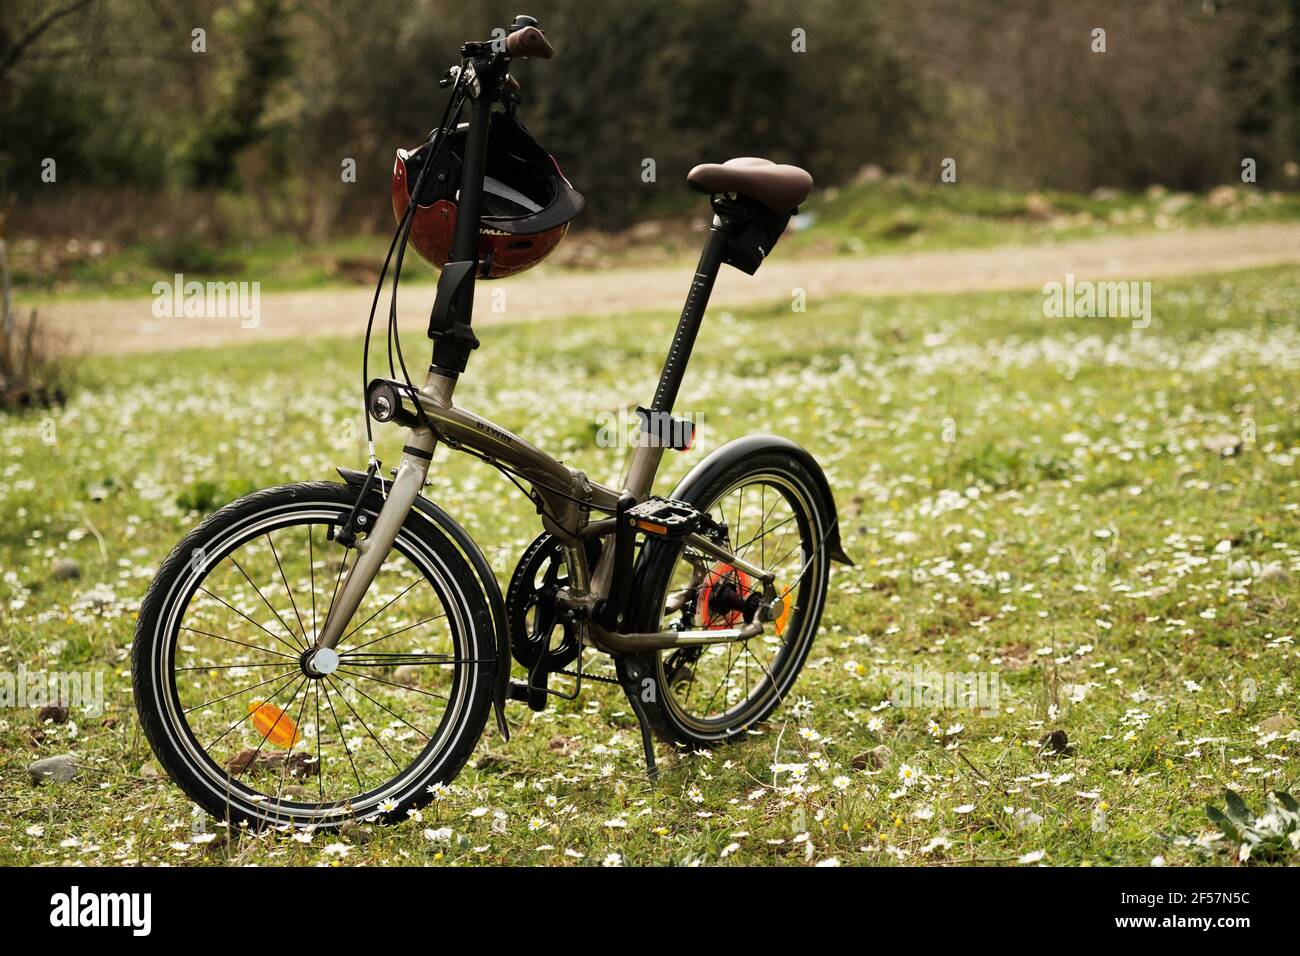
531	611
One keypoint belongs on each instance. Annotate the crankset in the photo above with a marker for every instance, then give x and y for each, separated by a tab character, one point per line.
533	613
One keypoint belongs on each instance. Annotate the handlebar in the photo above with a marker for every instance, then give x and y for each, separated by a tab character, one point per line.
492	57
529	41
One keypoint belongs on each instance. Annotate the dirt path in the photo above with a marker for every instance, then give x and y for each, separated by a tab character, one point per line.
130	326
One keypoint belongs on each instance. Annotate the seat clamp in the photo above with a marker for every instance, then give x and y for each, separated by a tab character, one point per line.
665	431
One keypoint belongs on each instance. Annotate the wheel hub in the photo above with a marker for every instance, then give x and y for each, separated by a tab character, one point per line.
319	662
727	597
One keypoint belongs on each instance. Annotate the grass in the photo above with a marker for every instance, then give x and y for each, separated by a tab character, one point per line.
888	215
894	214
46	272
1025	498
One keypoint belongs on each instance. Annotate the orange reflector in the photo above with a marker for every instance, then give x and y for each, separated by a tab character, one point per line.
783	618
652	528
274	724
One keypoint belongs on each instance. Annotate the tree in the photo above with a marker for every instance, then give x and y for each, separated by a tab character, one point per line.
258	30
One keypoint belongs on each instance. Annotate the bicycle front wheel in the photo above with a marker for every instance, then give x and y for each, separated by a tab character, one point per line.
238	721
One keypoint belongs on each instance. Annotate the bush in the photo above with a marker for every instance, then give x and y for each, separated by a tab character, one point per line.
30	376
207	496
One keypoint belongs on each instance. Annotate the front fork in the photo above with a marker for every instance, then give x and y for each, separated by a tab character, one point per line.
372	550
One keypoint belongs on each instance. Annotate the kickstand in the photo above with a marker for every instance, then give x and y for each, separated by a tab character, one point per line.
631	686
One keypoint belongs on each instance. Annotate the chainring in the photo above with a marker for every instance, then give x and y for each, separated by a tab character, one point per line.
531	610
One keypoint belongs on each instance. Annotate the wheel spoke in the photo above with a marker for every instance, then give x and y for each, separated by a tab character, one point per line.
311	568
364	725
343	738
690	684
723	683
747	678
762	536
379	612
740	507
244	690
267	603
797	546
271	699
320	760
284	769
295	647
353	659
777	549
795	582
764	668
219	637
287	590
400	630
380	680
385	709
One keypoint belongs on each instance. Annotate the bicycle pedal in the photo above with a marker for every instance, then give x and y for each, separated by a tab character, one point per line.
663	518
526	692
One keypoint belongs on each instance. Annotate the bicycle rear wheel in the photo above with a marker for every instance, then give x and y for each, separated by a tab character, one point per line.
710	694
252	735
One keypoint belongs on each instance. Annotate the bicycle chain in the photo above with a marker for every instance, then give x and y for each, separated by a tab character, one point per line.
598	678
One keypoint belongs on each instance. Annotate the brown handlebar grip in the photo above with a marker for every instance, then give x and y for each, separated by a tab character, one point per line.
529	41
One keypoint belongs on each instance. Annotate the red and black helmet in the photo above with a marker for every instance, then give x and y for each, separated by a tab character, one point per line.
527	202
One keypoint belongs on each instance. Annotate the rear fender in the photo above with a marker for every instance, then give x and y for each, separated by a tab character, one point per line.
657	557
720	459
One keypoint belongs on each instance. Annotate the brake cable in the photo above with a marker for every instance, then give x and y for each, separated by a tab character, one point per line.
435	141
450	116
346	533
401	237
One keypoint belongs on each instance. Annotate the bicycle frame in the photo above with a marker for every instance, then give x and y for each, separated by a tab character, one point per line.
566	497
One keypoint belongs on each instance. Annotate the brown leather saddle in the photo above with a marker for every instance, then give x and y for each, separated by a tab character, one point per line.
779	187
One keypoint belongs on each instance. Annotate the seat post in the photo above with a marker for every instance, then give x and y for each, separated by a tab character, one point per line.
688	326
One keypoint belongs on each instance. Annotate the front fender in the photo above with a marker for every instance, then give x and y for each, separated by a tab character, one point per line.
487	581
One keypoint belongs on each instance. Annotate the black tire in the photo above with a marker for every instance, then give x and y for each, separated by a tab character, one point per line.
662	563
421	554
